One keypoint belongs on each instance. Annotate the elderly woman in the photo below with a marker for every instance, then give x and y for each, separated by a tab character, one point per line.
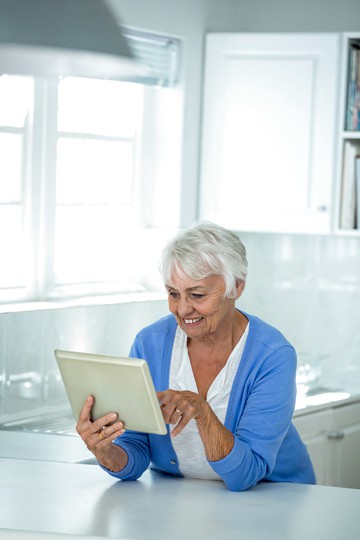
225	379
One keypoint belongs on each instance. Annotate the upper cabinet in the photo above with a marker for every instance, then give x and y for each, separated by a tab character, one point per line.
269	131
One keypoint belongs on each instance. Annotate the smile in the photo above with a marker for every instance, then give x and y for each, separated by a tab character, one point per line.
192	321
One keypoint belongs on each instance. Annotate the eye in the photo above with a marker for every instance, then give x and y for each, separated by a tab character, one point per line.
197	296
173	294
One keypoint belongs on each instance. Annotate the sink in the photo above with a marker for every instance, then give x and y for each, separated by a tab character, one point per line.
325	397
54	424
318	395
317	390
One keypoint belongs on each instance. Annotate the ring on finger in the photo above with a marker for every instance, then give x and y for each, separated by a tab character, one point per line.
101	435
179	412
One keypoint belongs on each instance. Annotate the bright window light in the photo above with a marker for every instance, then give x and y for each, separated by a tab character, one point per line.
13	262
16	96
94	171
99	128
11	152
99	107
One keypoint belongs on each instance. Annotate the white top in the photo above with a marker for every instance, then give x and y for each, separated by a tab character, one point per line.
188	445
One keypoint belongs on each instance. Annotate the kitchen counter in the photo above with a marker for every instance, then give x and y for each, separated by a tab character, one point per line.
43	447
75	499
326	397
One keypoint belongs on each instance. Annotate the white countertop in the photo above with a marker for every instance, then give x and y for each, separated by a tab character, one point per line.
43	447
306	404
75	499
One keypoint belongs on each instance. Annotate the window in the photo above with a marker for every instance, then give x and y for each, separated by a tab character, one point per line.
16	97
80	160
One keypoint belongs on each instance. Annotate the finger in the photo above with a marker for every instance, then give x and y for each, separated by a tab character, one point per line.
165	396
100	423
175	417
107	435
85	412
168	410
184	420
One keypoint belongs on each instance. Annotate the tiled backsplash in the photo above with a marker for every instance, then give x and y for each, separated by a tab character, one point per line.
30	380
308	287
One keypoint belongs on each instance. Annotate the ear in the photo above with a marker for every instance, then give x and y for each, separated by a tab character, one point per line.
240	286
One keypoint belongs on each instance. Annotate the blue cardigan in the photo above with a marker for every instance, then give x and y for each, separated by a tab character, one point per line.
261	405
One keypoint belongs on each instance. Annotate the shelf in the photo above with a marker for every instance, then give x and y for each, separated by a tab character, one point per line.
350	134
348	232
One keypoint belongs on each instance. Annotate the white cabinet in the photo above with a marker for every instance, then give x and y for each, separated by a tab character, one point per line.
313	429
317	445
269	125
344	447
332	437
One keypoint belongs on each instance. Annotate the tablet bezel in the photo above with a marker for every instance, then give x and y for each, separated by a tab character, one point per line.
114	382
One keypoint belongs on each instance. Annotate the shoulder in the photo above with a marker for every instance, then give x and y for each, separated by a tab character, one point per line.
265	334
267	347
268	352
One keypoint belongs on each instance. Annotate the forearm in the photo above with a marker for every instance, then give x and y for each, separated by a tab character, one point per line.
218	441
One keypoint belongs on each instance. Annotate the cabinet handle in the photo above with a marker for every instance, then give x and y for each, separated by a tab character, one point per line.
335	435
322	208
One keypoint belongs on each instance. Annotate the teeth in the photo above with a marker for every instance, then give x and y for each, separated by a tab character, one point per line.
191	321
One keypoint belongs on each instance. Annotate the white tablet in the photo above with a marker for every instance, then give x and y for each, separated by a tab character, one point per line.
121	385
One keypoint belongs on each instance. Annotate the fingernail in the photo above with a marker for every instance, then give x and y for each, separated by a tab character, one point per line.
113	416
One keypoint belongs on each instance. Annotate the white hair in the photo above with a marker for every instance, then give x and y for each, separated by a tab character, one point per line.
203	250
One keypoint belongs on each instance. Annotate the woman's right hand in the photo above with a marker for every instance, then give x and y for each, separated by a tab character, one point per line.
98	437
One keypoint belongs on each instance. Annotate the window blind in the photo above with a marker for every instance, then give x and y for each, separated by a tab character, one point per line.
160	53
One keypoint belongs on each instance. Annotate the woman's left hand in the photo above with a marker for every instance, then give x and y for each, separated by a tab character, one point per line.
179	407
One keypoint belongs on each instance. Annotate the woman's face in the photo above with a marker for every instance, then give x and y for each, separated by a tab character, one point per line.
199	305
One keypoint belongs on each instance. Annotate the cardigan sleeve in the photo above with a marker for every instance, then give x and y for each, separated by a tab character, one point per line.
136	445
262	423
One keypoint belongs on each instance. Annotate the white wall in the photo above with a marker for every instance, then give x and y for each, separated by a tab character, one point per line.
297	15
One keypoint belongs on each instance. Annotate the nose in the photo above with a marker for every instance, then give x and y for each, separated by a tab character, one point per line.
184	307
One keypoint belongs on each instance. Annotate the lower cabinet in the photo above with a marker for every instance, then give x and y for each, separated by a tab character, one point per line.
332	437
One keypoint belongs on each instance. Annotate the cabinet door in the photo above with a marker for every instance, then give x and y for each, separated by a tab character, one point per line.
344	440
269	131
313	429
317	449
347	458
